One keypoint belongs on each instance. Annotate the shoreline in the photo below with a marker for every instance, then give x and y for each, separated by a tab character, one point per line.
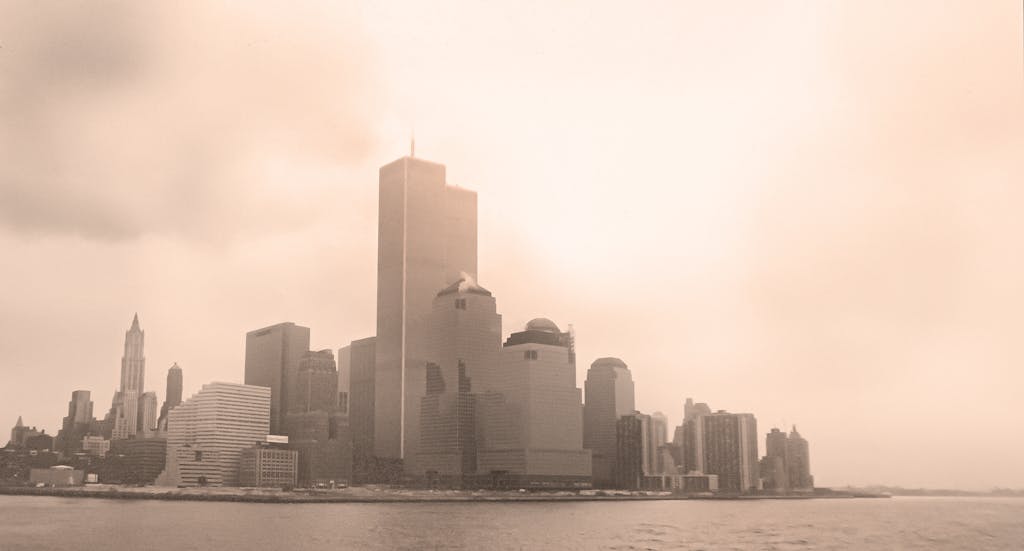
364	495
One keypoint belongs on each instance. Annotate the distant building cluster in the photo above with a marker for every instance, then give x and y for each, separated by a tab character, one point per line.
438	397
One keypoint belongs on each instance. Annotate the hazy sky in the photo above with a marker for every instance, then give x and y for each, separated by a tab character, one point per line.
810	211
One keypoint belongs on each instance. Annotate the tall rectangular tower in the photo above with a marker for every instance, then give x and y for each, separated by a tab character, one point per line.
272	357
426	240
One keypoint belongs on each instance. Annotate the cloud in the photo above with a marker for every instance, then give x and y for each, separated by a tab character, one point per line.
125	118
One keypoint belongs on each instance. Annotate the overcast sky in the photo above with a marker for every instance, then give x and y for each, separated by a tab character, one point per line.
810	211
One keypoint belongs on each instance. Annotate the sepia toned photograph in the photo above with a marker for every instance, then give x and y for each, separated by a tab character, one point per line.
485	275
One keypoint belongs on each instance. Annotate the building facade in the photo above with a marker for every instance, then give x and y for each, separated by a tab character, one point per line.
266	465
531	421
427	237
315	426
172	396
729	442
609	396
362	363
207	432
272	357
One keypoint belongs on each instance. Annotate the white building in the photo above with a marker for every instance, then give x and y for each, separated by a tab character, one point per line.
207	432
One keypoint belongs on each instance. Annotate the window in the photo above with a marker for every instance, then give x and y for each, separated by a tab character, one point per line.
199	456
530	355
460	304
343	401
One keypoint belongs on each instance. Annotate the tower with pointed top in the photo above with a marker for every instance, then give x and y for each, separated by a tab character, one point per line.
127	412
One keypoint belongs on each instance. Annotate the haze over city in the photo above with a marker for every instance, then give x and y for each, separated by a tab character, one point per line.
802	211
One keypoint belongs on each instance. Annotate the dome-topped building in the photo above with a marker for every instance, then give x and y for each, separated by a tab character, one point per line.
542	324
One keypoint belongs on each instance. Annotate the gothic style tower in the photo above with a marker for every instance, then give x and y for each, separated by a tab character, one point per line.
127	411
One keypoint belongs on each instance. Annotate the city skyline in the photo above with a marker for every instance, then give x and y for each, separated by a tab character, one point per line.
867	282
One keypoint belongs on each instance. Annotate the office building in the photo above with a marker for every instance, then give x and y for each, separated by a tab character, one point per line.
344	378
531	424
687	437
426	239
272	357
207	432
362	362
774	475
633	451
463	354
609	396
729	445
798	463
143	459
315	427
94	445
172	396
658	438
268	465
78	422
148	403
126	412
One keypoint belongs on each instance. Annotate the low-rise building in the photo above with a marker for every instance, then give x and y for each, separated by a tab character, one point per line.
59	475
267	465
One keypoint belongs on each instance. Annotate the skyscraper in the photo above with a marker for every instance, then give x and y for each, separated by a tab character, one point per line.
798	462
78	422
148	413
658	438
125	415
426	238
633	457
314	425
462	350
531	428
609	396
729	442
272	360
172	397
773	464
207	432
361	401
688	436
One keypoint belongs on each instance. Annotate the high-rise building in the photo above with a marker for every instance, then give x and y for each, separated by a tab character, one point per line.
798	463
172	397
729	442
272	357
361	401
207	432
315	427
133	363
463	353
148	404
687	437
344	378
774	475
609	396
633	450
531	424
21	433
126	411
78	422
658	438
126	414
426	238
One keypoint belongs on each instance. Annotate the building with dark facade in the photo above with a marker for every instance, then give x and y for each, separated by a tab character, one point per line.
609	396
143	459
427	238
632	453
729	446
172	397
77	424
272	357
798	463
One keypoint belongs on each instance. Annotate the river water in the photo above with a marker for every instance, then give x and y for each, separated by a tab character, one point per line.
44	523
